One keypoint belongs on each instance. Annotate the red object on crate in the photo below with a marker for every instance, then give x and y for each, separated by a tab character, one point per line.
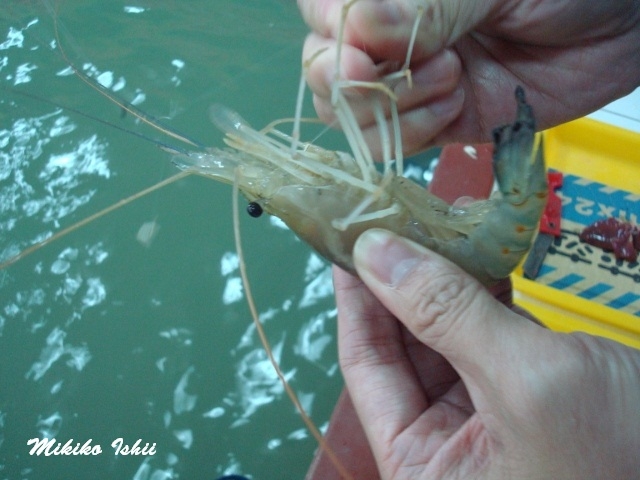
612	234
552	215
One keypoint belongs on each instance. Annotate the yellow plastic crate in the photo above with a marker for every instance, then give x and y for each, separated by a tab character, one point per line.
582	288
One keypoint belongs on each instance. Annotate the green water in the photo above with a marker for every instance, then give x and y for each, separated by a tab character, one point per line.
103	337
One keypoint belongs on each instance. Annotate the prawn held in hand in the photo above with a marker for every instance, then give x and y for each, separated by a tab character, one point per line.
328	198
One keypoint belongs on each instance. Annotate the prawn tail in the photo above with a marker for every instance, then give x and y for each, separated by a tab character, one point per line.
506	233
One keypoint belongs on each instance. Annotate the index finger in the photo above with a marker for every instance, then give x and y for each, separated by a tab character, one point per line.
374	361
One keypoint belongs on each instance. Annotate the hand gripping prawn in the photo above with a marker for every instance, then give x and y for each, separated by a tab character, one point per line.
329	198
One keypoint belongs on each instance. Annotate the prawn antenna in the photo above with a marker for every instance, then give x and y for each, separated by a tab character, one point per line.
267	346
37	246
126	107
160	144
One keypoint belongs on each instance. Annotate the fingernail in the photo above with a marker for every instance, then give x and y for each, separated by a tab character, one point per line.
449	105
389	13
386	256
444	68
434	116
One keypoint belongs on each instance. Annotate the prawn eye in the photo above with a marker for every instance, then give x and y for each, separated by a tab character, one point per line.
254	209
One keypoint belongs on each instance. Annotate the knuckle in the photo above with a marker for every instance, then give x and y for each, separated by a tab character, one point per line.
441	302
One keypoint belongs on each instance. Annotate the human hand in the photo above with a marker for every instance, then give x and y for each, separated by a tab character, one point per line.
571	57
450	383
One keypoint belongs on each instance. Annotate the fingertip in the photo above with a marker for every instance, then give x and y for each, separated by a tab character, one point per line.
322	16
381	257
319	61
439	73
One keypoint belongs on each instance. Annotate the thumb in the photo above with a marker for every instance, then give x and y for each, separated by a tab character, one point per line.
441	305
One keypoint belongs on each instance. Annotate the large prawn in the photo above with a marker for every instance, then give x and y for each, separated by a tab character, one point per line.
329	198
